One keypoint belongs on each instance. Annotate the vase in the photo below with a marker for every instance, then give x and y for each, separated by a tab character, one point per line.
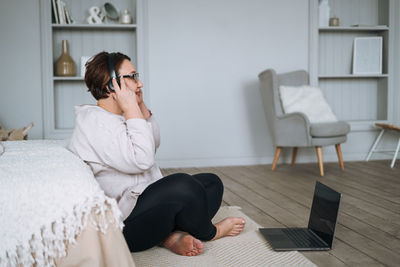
323	10
65	65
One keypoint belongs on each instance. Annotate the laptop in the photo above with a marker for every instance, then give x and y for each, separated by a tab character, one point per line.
321	225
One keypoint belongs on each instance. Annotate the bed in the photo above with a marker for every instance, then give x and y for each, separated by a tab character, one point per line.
53	212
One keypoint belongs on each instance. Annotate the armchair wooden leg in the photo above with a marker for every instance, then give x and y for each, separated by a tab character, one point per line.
277	153
294	154
320	163
339	154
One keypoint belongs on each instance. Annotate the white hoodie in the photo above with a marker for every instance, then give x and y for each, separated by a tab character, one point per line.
121	153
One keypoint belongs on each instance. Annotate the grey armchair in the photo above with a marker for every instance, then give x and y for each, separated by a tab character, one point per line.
294	129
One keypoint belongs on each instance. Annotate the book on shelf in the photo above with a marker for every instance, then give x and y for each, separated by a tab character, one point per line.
61	14
55	11
69	19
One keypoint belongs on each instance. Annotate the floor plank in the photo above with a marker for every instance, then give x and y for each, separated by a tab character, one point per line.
302	212
305	184
368	230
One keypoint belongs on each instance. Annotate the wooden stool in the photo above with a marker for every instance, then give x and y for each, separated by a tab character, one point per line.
389	127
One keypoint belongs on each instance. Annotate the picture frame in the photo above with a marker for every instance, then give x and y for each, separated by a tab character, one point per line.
367	55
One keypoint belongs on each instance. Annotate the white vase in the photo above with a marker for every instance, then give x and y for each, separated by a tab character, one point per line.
324	11
126	17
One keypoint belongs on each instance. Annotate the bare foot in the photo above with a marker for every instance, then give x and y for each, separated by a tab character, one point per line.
229	226
183	244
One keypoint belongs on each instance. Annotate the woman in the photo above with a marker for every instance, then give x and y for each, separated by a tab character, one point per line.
118	139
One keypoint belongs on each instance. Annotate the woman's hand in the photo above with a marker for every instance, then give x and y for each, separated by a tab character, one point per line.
126	99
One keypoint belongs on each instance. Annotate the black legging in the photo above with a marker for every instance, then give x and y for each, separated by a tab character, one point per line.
176	202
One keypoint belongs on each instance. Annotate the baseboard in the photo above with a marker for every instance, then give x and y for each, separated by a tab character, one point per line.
211	162
215	162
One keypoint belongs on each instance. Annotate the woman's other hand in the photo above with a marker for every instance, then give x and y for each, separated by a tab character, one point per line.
139	96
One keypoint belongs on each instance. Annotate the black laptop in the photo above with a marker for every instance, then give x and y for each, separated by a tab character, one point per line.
321	225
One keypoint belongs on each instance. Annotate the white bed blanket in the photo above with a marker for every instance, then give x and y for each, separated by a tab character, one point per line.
46	196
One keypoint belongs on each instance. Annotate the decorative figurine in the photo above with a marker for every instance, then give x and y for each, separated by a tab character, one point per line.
95	15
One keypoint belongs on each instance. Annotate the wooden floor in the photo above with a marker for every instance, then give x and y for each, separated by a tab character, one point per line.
368	230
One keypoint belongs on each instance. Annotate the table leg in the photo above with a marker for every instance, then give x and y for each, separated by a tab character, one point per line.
374	145
395	154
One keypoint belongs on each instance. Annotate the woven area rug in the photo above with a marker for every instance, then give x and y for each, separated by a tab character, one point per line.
247	249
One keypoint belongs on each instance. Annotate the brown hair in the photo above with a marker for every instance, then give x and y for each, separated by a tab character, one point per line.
97	73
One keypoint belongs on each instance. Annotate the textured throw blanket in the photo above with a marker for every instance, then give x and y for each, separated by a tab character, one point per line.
46	196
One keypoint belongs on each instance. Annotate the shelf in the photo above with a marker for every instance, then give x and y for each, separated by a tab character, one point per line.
73	78
351	76
353	29
93	26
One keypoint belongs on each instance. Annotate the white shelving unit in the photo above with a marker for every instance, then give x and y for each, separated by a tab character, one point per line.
358	99
61	94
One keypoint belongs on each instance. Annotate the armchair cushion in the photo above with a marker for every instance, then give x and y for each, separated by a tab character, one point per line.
308	100
328	141
329	129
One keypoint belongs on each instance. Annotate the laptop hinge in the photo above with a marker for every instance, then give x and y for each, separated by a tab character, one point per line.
319	238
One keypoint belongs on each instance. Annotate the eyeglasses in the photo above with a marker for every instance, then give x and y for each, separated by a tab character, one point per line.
133	76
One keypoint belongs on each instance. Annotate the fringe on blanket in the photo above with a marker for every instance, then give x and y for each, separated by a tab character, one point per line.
49	243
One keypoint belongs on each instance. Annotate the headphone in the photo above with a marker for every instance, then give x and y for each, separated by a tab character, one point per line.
111	64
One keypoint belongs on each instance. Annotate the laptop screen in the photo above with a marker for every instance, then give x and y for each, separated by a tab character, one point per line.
324	212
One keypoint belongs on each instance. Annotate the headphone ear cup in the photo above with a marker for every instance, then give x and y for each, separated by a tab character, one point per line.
110	86
111	58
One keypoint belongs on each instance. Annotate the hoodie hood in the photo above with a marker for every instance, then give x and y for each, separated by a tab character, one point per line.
84	110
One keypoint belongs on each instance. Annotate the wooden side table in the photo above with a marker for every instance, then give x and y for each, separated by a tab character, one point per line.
385	127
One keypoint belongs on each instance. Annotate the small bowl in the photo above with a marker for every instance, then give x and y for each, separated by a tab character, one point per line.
111	11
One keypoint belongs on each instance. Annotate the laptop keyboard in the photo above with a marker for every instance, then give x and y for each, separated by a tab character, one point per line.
302	238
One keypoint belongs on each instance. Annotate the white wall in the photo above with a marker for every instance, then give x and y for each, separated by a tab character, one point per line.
204	58
20	93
